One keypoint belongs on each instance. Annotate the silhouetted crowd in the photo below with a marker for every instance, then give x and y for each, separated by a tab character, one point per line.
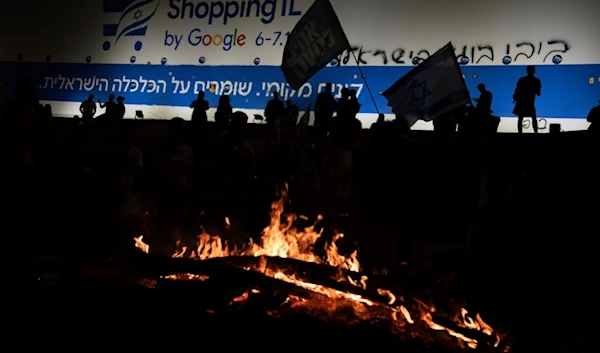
94	170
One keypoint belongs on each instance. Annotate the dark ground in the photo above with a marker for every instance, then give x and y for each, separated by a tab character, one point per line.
533	271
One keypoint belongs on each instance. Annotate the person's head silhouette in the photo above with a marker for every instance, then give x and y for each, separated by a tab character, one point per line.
111	97
120	99
201	95
177	130
224	99
328	87
91	97
345	92
530	70
380	118
275	95
239	121
481	87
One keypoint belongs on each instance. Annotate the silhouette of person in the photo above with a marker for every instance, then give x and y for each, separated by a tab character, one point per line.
377	129
324	109
483	107
445	125
484	102
353	105
224	111
292	112
342	103
200	107
527	88
88	109
199	120
110	106
274	111
119	109
303	122
594	119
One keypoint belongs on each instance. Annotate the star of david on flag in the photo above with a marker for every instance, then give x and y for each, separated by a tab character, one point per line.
135	16
431	89
419	91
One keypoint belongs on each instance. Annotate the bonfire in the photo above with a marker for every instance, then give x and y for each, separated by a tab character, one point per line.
286	254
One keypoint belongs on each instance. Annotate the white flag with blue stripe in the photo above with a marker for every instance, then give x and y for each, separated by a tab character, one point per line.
434	87
136	16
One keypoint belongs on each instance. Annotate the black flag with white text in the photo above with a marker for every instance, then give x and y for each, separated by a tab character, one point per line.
315	41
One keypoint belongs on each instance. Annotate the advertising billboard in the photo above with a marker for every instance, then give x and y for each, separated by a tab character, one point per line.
160	53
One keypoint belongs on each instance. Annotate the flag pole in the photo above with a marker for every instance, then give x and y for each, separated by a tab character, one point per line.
364	77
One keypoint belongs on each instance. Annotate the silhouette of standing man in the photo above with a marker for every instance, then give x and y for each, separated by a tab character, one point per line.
88	110
110	105
483	108
324	108
120	108
199	120
484	102
200	107
274	111
527	88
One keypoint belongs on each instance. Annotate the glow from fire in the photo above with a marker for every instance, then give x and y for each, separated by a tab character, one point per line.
317	288
281	239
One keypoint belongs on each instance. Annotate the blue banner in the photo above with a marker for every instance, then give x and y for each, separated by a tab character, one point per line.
568	91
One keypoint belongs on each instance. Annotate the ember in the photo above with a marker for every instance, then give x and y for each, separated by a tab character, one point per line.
286	254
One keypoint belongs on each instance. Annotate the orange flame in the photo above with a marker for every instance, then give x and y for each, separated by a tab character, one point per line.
141	245
281	239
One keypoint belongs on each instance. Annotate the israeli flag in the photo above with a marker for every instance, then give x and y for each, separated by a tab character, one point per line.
136	16
431	89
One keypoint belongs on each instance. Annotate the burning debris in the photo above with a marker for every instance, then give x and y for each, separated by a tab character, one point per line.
332	288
